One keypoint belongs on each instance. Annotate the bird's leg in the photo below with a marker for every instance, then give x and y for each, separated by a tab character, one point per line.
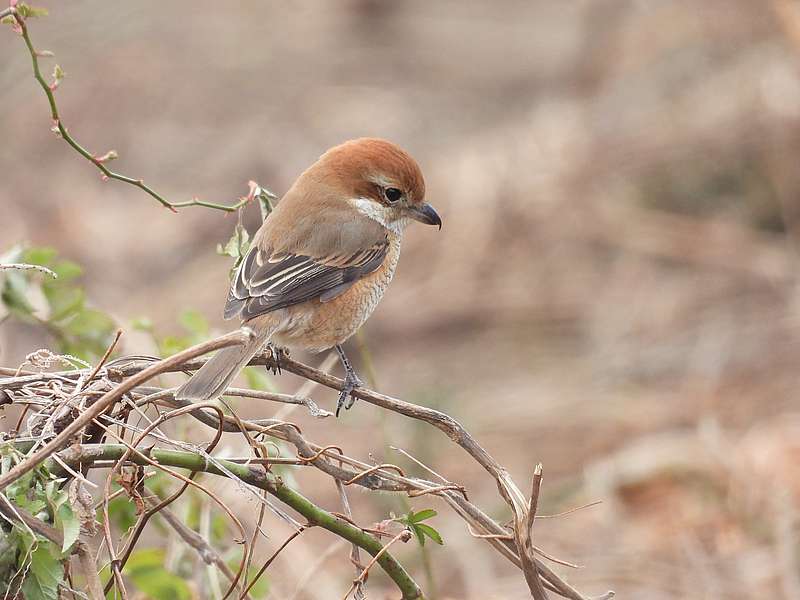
275	352
351	382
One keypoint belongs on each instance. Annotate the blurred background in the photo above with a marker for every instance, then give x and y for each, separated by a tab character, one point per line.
614	291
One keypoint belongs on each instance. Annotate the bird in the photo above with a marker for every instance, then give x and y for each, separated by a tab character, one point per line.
321	260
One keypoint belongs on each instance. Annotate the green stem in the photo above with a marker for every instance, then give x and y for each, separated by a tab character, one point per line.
255	476
51	99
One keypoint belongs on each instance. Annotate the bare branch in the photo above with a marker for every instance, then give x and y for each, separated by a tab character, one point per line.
100	161
196	541
27	267
63	438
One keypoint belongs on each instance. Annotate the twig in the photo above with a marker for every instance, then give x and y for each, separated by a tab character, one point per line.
89	568
373	470
312	572
102	361
523	526
131	449
438	489
307	387
63	438
404	536
270	559
260	479
570	511
195	540
355	555
27	267
325	458
421	464
536	486
99	161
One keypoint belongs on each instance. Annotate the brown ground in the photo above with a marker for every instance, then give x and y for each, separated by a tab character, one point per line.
614	292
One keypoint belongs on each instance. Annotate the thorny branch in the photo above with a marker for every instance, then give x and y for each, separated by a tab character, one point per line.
123	383
99	161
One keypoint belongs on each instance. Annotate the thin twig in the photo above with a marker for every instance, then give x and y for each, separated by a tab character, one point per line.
523	528
266	565
89	568
355	555
63	438
364	475
100	161
194	540
27	267
404	536
101	362
262	480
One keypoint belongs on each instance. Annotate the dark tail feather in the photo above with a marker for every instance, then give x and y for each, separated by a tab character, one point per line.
211	380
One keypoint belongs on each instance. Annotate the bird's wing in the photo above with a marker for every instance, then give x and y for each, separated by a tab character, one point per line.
267	281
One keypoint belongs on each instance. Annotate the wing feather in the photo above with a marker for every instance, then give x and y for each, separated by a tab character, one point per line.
267	282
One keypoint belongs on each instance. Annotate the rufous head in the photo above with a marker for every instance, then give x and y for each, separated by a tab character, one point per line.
380	180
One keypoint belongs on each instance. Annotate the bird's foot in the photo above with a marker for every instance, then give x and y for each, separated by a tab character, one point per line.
351	382
276	353
346	397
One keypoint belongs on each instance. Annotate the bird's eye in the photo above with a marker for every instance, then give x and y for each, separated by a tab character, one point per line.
392	194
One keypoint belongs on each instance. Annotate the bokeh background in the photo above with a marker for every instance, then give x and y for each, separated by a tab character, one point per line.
614	292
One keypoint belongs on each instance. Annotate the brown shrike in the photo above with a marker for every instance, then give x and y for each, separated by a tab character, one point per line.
322	260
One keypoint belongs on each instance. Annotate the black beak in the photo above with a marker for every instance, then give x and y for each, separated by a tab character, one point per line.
425	213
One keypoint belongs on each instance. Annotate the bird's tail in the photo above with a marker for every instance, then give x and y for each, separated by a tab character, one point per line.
211	380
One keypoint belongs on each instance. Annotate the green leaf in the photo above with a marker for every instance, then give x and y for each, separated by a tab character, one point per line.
66	271
431	533
418	532
22	492
33	506
421	515
63	301
13	295
237	245
45	573
41	255
86	333
78	330
91	323
67	521
146	569
266	201
8	556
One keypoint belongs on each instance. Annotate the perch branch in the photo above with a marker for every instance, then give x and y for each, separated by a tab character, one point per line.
262	479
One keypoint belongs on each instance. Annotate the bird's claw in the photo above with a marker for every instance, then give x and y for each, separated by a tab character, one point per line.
346	397
275	352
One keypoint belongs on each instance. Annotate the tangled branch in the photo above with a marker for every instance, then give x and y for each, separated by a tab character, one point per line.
105	396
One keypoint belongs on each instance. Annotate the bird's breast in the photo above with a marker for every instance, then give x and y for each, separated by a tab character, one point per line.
316	325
